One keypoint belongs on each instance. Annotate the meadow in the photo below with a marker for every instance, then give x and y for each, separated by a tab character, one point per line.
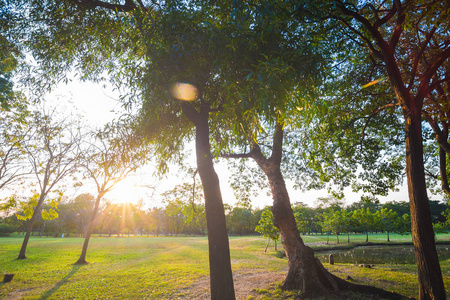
177	267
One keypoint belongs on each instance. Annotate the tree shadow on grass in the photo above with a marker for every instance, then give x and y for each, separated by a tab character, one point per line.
50	292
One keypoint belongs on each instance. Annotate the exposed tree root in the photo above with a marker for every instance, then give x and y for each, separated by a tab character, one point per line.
314	280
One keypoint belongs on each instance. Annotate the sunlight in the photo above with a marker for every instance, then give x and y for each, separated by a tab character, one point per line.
126	191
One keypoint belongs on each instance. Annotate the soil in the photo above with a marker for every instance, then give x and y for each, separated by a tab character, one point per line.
246	283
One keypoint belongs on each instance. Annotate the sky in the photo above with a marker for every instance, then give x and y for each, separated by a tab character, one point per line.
99	105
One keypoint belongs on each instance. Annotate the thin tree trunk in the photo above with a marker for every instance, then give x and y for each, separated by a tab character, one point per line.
88	233
268	242
221	277
30	224
431	285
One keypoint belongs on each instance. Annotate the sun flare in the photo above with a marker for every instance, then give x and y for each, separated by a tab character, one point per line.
126	191
184	91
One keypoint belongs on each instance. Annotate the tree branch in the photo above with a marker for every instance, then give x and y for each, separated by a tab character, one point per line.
417	58
386	18
398	24
440	137
190	112
234	155
277	146
369	118
128	6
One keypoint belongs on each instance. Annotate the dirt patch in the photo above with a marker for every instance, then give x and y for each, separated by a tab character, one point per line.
246	281
18	294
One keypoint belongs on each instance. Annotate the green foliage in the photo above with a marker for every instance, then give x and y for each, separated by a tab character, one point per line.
6	229
28	207
266	227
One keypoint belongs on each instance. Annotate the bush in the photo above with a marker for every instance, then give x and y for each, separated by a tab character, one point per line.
6	230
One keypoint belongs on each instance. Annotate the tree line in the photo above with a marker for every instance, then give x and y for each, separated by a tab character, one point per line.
183	217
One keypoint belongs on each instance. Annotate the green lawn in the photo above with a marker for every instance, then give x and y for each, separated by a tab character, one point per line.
163	267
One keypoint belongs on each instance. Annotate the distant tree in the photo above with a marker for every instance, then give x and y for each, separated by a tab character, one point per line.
329	203
175	218
52	152
6	229
400	207
364	221
444	225
114	153
346	223
404	224
336	221
307	218
387	220
266	227
190	202
240	221
82	209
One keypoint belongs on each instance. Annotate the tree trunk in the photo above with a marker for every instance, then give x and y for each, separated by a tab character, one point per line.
88	233
221	277
30	224
305	273
431	285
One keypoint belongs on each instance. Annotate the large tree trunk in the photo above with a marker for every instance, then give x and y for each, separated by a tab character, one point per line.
30	224
221	277
306	273
88	232
431	285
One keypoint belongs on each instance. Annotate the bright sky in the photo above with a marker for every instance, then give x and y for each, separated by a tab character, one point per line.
99	105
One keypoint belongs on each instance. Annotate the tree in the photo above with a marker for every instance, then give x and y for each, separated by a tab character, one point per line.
52	153
387	220
266	227
186	200
407	41
110	158
398	33
82	209
364	221
307	218
404	224
330	223
337	221
240	221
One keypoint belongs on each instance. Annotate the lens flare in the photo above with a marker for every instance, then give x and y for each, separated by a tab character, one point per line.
184	91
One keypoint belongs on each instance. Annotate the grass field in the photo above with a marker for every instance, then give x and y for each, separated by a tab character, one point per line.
172	268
